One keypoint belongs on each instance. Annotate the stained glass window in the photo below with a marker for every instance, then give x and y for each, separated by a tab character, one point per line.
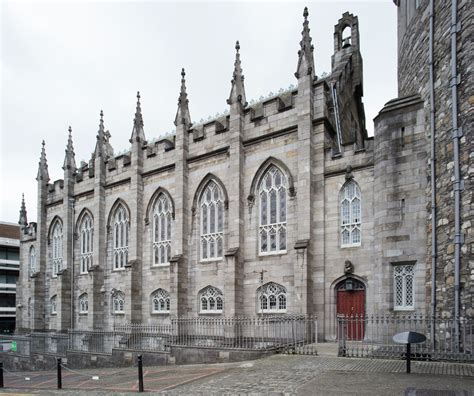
212	221
162	216
350	214
87	243
120	243
271	298
272	229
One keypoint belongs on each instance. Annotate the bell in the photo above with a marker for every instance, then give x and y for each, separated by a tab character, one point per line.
346	42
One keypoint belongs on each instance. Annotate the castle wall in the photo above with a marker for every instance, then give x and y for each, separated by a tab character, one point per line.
413	78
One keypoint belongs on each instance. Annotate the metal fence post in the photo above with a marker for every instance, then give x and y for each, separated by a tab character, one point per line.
1	374
60	382
140	374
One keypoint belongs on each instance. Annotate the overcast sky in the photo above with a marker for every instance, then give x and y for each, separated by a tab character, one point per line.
62	62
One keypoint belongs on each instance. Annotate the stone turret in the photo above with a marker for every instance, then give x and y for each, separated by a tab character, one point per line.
307	141
135	251
305	54
182	114
23	221
69	158
178	262
138	134
237	92
43	173
233	288
103	151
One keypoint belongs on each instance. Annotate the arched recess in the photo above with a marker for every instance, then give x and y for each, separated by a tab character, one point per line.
56	219
208	178
269	162
84	212
154	197
117	203
349	293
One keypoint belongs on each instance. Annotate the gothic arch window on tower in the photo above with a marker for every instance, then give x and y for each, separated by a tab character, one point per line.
272	219
162	216
350	201
271	298
32	260
212	222
211	300
120	237
160	301
87	247
83	303
54	305
57	249
118	303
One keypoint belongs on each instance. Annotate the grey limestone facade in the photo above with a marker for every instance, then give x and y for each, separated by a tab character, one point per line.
278	207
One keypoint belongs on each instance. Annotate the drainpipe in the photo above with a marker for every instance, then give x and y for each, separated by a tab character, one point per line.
458	184
434	247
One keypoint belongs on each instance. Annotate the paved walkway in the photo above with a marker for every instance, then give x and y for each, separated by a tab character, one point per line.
276	375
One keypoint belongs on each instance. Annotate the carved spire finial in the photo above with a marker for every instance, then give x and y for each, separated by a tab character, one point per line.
43	165
69	158
237	92
182	114
138	134
305	54
23	221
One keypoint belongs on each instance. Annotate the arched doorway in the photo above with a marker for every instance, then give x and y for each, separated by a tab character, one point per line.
350	296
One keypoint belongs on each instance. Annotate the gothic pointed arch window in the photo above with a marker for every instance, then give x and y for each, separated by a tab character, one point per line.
162	218
212	222
118	303
160	301
350	206
86	243
84	303
120	237
272	213
56	248
211	301
32	260
271	298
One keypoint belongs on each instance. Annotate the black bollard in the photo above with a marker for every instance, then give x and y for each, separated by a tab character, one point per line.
1	375
140	374
60	380
408	358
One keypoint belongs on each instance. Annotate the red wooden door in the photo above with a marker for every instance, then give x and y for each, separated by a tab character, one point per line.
351	303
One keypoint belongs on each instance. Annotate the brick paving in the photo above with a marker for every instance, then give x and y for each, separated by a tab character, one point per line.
280	374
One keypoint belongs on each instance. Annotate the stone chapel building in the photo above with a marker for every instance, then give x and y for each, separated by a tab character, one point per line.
282	207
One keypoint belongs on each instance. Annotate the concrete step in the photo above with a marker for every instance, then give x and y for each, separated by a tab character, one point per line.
327	349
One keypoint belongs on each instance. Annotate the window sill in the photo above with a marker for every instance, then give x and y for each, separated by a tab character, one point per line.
160	312
84	273
404	309
213	260
160	265
276	253
211	313
272	311
118	270
351	246
119	313
54	313
83	313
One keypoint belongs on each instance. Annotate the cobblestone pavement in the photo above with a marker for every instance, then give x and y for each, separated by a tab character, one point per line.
276	375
